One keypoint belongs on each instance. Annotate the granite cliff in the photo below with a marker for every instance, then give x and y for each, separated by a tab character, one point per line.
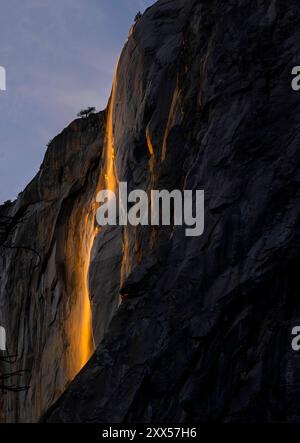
184	329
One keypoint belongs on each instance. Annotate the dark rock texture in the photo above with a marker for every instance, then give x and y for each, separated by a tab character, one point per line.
204	333
204	330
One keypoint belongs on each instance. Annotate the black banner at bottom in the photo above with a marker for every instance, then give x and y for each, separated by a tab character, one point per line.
91	433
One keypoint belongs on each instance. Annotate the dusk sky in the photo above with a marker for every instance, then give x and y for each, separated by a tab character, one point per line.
59	57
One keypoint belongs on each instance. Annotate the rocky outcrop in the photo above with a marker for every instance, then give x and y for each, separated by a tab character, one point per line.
41	252
201	100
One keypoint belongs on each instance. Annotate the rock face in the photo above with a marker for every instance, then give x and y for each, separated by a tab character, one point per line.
202	100
42	257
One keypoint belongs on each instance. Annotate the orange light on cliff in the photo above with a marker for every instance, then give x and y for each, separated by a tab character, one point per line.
79	244
107	180
110	180
87	341
149	141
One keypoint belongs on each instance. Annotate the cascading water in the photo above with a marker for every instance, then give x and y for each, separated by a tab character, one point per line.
107	180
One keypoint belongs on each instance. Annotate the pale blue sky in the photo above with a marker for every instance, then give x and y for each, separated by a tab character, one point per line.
59	57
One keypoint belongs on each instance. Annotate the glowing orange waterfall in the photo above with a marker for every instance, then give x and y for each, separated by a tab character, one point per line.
91	230
110	179
109	149
81	234
87	341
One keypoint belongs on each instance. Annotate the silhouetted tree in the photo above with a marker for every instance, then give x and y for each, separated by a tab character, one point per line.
138	16
86	112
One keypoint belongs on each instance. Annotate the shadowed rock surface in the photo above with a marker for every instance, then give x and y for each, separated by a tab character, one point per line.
39	256
204	332
203	101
